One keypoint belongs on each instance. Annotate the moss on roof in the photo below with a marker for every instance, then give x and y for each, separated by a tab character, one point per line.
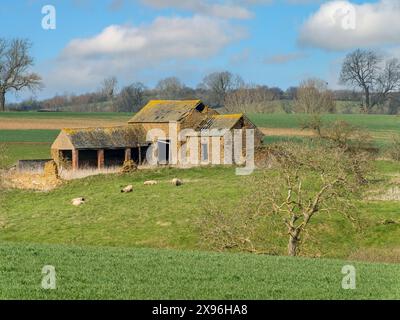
112	137
166	110
220	122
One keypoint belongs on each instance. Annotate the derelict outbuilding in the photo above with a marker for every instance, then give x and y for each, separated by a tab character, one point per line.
100	147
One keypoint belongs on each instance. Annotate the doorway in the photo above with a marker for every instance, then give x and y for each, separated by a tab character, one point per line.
163	151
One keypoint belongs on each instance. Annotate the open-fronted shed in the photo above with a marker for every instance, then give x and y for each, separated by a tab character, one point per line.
89	147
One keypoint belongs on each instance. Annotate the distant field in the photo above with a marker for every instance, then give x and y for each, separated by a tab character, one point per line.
383	124
381	127
58	115
59	120
370	122
41	136
122	273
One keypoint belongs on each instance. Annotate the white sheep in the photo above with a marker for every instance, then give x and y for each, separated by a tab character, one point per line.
150	183
78	201
176	182
127	189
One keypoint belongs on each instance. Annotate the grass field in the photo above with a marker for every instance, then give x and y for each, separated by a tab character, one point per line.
119	273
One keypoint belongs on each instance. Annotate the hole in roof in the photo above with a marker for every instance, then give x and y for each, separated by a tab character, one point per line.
200	107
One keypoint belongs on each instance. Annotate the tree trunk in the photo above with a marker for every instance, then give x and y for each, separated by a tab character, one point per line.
2	101
367	100
293	245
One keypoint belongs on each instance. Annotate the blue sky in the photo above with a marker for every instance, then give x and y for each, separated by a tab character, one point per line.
271	42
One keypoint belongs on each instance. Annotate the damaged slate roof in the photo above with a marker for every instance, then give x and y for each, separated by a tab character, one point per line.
166	110
216	125
220	122
102	138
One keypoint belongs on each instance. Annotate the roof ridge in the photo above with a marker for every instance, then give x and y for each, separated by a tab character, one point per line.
165	110
94	128
228	115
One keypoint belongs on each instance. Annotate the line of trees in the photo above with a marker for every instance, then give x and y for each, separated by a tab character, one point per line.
221	90
373	82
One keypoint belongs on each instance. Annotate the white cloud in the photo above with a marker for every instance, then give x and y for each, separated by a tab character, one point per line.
124	50
339	25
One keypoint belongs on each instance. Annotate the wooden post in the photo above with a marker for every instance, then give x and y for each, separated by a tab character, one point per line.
100	159
140	155
75	159
128	154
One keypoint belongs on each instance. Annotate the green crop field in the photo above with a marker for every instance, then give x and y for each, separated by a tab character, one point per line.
367	121
42	136
120	273
381	126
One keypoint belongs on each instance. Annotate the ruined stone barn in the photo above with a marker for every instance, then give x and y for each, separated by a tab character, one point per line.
151	126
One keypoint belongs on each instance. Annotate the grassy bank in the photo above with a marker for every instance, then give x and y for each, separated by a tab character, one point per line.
163	216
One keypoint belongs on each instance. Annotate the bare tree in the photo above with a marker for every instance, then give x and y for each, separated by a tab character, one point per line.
170	88
313	97
249	98
109	87
220	84
131	98
15	62
393	150
310	181
290	93
302	181
363	69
